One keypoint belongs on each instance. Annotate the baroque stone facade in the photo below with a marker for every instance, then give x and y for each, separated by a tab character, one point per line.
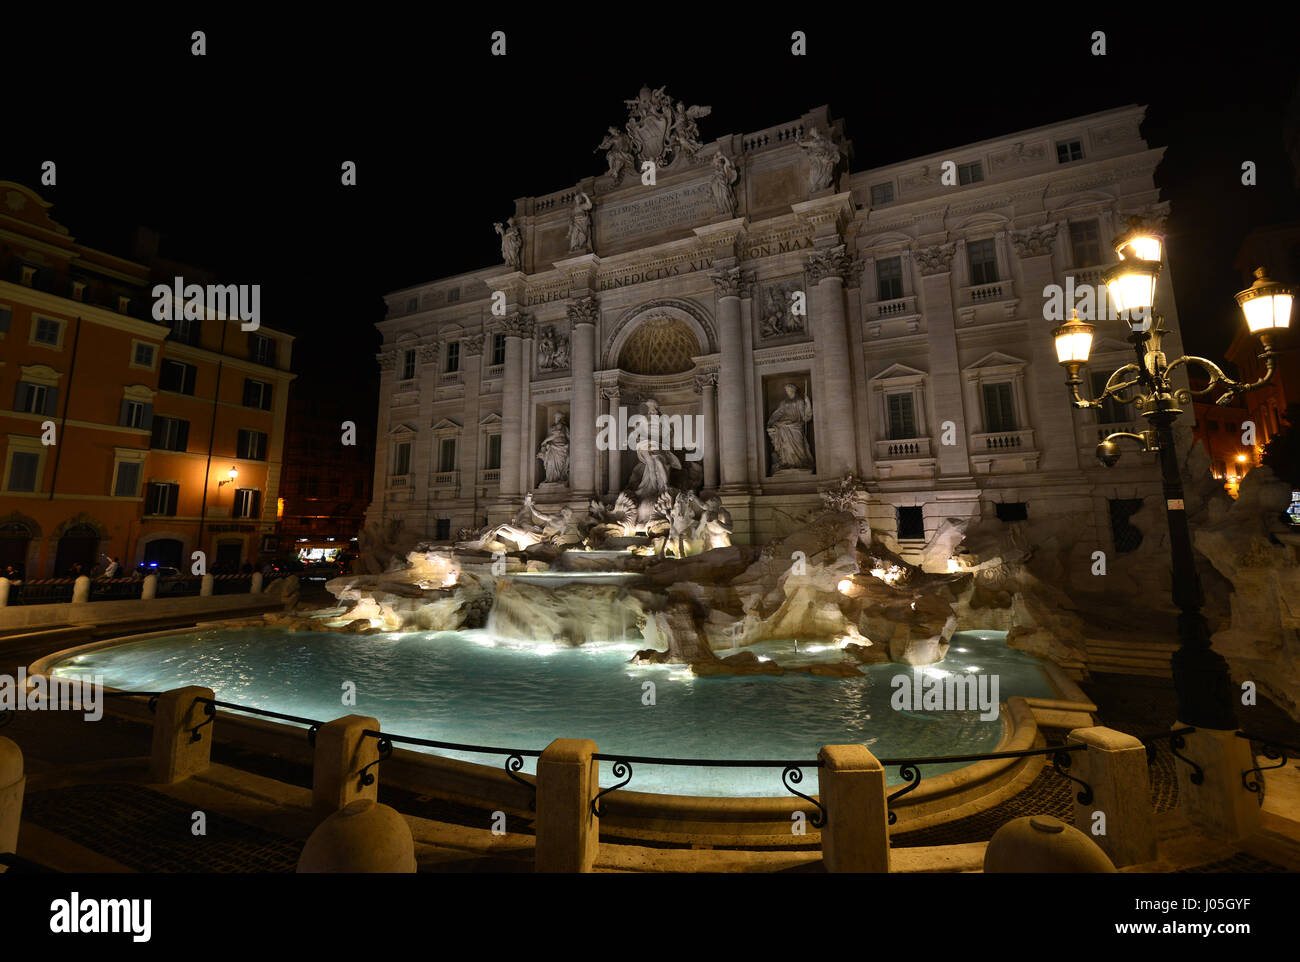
919	340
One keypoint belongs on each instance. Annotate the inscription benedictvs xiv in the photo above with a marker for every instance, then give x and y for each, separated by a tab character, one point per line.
660	211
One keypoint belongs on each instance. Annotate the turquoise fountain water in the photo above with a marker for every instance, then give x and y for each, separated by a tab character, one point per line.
469	687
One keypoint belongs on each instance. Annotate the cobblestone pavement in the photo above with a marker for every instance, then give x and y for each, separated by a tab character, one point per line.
151	832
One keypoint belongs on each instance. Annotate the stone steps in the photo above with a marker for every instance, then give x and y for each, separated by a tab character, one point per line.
1125	657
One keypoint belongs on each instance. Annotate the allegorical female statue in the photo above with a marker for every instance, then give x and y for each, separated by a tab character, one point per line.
721	181
580	224
788	429
823	157
554	452
511	242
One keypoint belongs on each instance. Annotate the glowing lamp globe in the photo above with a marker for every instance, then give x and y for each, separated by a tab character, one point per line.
1266	304
1073	341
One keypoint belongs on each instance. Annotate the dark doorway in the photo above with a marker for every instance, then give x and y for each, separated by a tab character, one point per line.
79	545
15	538
228	554
911	524
165	553
443	530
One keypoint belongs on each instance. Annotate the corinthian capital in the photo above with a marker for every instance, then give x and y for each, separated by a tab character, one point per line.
472	345
429	353
832	262
727	282
1034	241
709	379
937	259
583	310
387	360
516	324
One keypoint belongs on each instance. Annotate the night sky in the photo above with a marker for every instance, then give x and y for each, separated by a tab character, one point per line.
236	157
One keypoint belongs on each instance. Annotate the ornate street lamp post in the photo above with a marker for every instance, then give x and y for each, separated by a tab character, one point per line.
1200	673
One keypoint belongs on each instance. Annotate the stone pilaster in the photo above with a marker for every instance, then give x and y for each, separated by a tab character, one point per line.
471	350
731	378
582	415
945	369
614	482
705	386
515	326
837	451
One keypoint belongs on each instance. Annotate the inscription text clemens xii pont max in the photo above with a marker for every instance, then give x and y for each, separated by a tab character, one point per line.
661	211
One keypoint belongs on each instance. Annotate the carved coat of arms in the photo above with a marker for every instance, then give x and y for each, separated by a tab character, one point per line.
658	130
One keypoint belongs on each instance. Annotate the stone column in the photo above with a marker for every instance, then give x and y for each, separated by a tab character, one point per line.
615	480
582	410
515	326
471	349
1051	417
731	378
527	417
378	510
945	370
837	452
704	386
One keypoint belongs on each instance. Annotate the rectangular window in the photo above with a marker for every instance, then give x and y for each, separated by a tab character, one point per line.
983	258
442	531
498	349
170	434
412	305
453	357
261	349
132	414
447	455
1128	537
248	503
1068	151
160	498
402	458
128	479
252	445
902	417
257	394
911	524
23	466
32	398
186	330
142	356
408	365
47	331
1111	411
999	410
494	452
6	316
889	278
176	376
1085	242
1013	511
971	173
882	194
453	296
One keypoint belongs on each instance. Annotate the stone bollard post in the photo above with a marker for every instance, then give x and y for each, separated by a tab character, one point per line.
1119	818
176	754
568	834
1221	805
12	782
81	590
205	586
255	583
341	753
855	837
150	587
4	592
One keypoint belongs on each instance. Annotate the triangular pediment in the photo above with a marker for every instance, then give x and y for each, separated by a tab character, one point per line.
445	424
897	371
402	430
491	420
996	359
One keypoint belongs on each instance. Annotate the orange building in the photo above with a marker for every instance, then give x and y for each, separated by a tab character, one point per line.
122	431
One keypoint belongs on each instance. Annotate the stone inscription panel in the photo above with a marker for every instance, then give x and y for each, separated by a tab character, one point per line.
657	211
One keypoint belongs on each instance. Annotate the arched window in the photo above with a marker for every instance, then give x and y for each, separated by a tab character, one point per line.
15	538
78	546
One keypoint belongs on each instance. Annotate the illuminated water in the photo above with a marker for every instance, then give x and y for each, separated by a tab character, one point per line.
465	687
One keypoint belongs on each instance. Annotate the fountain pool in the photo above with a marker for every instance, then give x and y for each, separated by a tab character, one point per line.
470	687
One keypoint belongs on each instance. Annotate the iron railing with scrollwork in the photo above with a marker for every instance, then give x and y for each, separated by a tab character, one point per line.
1273	750
514	757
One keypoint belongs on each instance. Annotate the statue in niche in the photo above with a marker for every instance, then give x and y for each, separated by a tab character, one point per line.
580	224
552	350
554	452
723	179
618	154
823	158
788	429
511	242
